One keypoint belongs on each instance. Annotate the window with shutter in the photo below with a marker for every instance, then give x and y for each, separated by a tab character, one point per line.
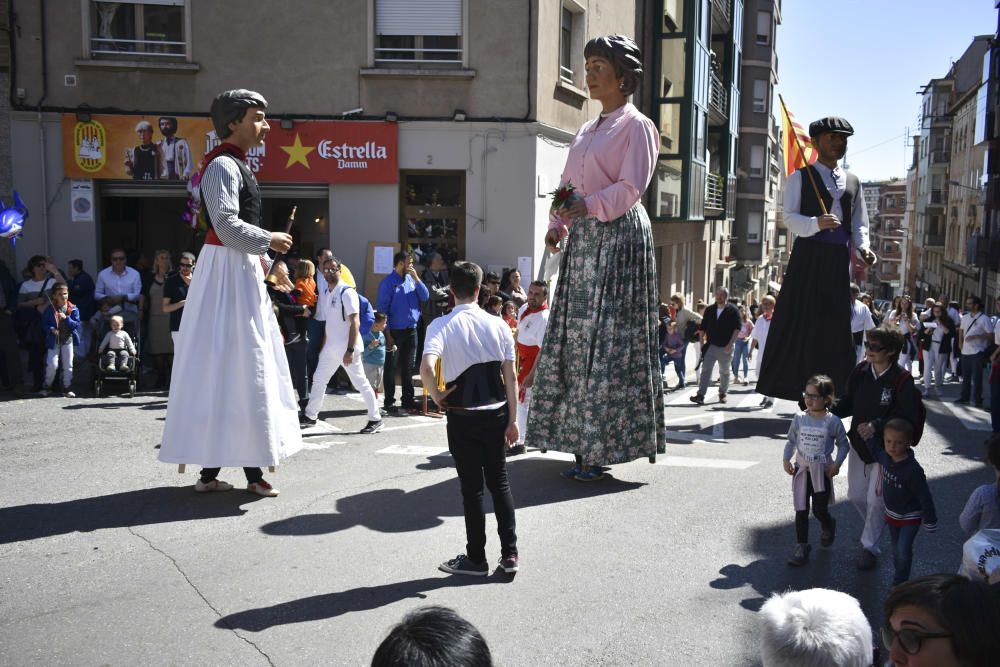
422	33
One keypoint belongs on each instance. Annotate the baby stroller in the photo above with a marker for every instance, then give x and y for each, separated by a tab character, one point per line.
129	374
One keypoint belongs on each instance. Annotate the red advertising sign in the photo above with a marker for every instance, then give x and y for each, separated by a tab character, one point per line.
155	148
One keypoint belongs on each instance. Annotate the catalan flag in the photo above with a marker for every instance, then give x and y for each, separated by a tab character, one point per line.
797	145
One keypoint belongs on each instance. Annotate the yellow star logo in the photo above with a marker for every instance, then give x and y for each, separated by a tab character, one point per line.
297	152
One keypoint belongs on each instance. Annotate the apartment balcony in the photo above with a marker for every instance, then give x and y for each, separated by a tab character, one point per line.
936	198
715	192
718	102
934	241
940	157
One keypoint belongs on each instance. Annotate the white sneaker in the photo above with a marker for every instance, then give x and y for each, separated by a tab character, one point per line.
70	394
262	488
214	485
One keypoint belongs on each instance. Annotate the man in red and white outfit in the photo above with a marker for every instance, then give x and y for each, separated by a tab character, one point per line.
531	321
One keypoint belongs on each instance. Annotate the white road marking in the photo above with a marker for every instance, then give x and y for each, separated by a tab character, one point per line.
413	450
322	445
692	462
974	419
421	422
321	428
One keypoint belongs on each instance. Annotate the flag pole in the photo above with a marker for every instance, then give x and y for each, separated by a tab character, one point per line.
802	152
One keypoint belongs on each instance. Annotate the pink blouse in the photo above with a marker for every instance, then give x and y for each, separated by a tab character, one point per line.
611	166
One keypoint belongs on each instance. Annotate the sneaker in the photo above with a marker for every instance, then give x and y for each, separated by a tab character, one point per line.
392	410
515	450
866	561
722	398
509	564
595	473
214	485
373	427
461	564
383	412
110	367
699	399
70	394
262	488
44	393
829	533
305	422
768	403
801	555
571	473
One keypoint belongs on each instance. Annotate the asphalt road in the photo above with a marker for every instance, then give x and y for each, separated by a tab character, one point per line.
108	557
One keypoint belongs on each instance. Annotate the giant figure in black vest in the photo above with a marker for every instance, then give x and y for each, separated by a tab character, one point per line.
811	329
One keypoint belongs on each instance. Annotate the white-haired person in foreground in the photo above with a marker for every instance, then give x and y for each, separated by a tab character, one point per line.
814	628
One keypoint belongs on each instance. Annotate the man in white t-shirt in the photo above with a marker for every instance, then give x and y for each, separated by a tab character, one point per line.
861	321
532	319
949	307
342	347
974	337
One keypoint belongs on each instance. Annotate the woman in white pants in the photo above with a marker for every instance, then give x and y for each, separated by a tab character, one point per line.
903	318
938	334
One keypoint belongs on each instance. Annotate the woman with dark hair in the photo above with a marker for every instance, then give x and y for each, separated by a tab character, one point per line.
942	620
598	392
936	336
903	318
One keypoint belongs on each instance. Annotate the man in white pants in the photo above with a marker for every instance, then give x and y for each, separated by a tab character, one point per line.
532	319
342	347
861	321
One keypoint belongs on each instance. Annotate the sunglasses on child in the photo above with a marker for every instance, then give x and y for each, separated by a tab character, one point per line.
874	348
185	266
909	640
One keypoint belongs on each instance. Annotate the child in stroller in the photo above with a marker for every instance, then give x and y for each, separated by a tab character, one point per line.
117	356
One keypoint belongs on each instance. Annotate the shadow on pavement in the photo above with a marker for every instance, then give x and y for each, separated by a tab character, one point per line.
130	508
101	404
834	567
533	482
331	605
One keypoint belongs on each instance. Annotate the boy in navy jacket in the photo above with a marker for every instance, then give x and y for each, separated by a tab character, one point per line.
908	501
61	321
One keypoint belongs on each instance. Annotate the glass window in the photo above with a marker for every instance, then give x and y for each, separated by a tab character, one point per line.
673	16
153	31
670	128
760	96
566	45
756	160
699	134
418	34
763	28
755	223
672	67
697	193
432	215
667	188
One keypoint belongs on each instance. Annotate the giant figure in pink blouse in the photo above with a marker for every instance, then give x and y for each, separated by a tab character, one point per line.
597	391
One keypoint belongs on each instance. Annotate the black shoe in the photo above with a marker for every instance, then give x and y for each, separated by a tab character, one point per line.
373	427
392	410
515	450
699	399
866	561
829	533
411	407
305	422
801	555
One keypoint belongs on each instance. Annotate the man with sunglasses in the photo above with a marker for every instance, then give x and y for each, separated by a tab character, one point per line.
975	333
877	391
119	285
175	292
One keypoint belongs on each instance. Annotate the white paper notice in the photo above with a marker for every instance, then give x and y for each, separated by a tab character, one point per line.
82	200
524	267
383	259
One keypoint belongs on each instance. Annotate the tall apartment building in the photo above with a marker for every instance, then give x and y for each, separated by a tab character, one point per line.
965	175
759	163
931	174
889	240
440	126
693	92
987	137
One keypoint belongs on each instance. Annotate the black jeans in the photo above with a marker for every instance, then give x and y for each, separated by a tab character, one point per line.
296	355
820	501
476	442
972	378
403	360
254	475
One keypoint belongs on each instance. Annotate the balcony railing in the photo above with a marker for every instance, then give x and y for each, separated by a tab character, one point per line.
718	98
148	48
935	198
715	189
940	157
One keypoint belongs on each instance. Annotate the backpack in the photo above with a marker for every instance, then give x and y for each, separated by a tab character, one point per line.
918	427
366	314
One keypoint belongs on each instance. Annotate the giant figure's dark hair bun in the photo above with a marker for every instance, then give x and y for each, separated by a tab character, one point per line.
623	54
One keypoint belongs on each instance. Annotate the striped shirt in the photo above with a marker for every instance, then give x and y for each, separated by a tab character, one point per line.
220	186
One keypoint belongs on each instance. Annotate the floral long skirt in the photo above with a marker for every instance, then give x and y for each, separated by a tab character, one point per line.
597	391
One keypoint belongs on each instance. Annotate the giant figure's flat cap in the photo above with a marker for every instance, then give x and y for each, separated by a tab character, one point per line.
830	124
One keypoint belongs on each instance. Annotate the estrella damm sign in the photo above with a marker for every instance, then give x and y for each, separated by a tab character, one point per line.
90	146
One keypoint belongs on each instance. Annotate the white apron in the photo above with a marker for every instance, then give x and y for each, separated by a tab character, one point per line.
231	402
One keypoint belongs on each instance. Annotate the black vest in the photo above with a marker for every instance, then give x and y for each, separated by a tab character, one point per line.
810	205
479	384
249	194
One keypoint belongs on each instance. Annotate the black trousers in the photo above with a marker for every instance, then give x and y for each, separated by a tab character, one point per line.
820	501
254	475
476	442
296	355
403	360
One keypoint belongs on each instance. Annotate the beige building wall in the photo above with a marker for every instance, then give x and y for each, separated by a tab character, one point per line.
964	214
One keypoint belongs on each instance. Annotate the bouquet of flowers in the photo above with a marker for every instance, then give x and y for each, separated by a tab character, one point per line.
562	197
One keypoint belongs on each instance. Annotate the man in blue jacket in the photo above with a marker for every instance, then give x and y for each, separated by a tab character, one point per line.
399	296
